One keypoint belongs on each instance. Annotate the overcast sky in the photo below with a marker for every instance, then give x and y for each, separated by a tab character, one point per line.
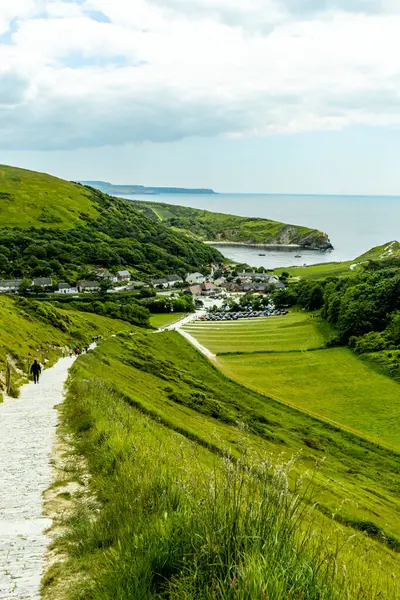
258	96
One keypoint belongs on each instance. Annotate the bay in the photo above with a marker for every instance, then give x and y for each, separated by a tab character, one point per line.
354	223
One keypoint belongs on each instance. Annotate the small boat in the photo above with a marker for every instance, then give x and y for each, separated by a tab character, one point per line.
261	254
297	255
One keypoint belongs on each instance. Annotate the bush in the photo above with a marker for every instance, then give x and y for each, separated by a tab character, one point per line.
370	342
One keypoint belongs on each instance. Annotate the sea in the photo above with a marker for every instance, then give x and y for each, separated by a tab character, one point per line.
354	224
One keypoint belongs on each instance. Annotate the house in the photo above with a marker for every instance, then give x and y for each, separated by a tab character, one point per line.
123	276
194	278
220	281
202	289
253	287
88	287
66	288
106	275
10	285
269	279
167	282
43	282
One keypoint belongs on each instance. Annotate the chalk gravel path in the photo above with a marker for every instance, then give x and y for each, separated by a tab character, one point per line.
27	435
185	321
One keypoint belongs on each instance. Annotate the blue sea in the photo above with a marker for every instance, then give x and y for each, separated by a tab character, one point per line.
354	223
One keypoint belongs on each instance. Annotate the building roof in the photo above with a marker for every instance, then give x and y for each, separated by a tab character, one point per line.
88	284
43	281
159	281
208	286
124	273
66	286
195	289
4	283
173	278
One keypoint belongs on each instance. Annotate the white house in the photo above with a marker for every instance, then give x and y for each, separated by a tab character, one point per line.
195	278
167	282
88	287
123	276
10	285
66	288
106	275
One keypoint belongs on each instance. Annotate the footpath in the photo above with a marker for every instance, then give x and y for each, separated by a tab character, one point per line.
27	436
178	327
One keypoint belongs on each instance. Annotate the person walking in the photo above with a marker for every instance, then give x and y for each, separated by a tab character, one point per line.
36	369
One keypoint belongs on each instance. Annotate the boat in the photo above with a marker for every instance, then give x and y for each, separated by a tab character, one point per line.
261	254
297	255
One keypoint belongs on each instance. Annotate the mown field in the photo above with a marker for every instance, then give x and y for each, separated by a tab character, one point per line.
294	331
284	357
188	501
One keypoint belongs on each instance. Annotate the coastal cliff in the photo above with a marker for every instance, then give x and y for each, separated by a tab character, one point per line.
218	228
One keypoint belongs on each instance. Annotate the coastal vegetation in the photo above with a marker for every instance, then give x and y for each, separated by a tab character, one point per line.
217	227
50	227
194	494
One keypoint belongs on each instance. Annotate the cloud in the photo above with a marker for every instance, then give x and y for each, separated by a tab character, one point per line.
96	72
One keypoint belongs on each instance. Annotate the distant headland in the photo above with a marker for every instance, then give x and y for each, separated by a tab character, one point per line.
121	190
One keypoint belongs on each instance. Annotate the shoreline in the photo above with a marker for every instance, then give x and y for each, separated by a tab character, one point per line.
266	246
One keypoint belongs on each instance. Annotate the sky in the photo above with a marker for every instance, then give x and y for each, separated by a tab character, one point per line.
273	96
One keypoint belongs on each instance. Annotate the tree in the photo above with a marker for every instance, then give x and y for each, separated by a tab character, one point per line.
105	285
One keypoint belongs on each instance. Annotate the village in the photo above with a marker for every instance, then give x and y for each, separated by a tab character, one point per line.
217	281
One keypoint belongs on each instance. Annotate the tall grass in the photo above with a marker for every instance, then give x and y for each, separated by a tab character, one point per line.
172	521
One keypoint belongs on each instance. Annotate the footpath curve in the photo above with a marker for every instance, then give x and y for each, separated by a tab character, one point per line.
27	435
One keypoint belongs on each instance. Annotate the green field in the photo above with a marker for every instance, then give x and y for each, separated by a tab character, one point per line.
320	271
333	384
153	418
163	320
295	331
330	384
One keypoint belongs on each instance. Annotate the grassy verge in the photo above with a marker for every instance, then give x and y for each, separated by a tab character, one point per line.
163	320
172	520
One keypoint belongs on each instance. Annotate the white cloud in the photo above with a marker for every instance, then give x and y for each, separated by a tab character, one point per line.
94	72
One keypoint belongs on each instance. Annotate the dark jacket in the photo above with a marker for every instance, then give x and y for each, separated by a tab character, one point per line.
36	368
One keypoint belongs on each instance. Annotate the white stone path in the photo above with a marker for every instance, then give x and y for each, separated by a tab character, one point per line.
27	435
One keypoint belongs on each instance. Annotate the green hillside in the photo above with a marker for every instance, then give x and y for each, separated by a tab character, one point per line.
193	479
30	199
31	329
218	227
52	227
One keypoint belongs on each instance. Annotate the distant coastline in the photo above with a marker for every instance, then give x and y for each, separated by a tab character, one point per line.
124	190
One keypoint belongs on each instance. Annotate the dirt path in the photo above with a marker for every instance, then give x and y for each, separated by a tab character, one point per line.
178	327
27	434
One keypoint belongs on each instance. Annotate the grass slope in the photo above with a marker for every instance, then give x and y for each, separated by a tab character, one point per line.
152	417
53	227
332	383
31	330
31	199
206	225
163	320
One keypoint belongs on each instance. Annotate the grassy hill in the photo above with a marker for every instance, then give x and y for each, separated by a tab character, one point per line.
216	227
30	199
53	227
29	329
191	495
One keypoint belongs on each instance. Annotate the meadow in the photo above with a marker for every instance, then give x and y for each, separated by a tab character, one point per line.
284	357
295	331
194	493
